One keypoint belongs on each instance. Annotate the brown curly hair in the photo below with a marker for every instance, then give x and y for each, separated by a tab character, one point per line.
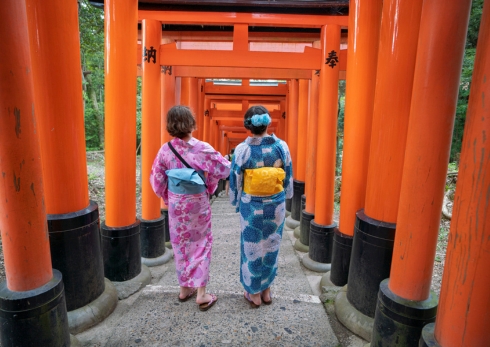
180	121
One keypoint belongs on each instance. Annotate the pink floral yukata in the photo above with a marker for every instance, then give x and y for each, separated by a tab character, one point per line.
190	214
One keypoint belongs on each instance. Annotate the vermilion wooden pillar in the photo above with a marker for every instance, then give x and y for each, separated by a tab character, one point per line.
152	236
73	221
308	213
25	242
463	313
206	109
292	133
302	128
189	97
151	116
405	301
27	254
122	260
372	246
300	163
321	228
364	24
200	109
222	142
292	120
168	91
311	143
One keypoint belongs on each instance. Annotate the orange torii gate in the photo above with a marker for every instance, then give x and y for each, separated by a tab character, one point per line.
405	303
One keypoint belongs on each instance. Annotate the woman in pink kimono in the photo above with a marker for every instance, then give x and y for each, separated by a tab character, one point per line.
189	214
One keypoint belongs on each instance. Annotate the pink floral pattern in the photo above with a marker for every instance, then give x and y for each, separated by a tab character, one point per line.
191	237
190	215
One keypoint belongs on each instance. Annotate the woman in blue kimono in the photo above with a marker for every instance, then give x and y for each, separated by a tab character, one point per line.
261	178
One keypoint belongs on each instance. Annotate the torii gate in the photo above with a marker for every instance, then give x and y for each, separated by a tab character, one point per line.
404	166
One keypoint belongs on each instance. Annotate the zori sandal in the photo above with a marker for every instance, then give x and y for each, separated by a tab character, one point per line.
190	295
249	300
207	305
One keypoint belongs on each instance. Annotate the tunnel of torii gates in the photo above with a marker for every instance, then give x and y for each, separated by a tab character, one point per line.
401	61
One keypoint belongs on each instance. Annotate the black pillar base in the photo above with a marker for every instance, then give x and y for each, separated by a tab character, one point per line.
74	240
152	237
304	229
299	190
122	251
36	317
166	228
341	252
288	204
398	321
321	242
372	250
427	339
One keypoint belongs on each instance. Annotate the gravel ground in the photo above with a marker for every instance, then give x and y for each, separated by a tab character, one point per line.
95	171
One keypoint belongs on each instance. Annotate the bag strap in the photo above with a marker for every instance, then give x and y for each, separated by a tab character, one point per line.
185	163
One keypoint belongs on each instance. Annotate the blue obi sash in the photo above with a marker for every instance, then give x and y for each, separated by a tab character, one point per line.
185	181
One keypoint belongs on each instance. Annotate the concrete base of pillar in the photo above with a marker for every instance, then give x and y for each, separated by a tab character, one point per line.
127	288
351	318
168	245
288	213
427	339
74	342
163	259
314	265
326	282
291	223
300	247
297	232
95	312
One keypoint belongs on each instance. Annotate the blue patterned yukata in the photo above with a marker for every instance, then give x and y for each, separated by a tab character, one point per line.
261	217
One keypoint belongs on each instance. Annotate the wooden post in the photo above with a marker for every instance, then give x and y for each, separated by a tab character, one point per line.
323	225
151	116
463	313
120	103
435	92
122	260
32	297
188	96
364	24
292	139
302	129
372	246
327	125
55	35
200	109
23	226
73	221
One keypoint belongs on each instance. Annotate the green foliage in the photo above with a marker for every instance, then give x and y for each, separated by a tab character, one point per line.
452	167
465	81
340	127
91	22
474	23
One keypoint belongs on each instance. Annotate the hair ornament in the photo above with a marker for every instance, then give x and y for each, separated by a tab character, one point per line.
261	119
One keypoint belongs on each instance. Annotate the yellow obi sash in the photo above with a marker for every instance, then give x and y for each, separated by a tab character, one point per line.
264	181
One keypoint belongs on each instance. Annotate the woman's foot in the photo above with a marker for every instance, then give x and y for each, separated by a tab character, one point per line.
186	293
266	297
202	299
208	304
252	299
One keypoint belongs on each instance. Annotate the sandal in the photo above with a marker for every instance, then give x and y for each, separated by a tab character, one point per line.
190	295
249	300
207	305
266	302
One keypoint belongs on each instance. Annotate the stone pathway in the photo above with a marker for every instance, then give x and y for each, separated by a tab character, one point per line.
154	317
